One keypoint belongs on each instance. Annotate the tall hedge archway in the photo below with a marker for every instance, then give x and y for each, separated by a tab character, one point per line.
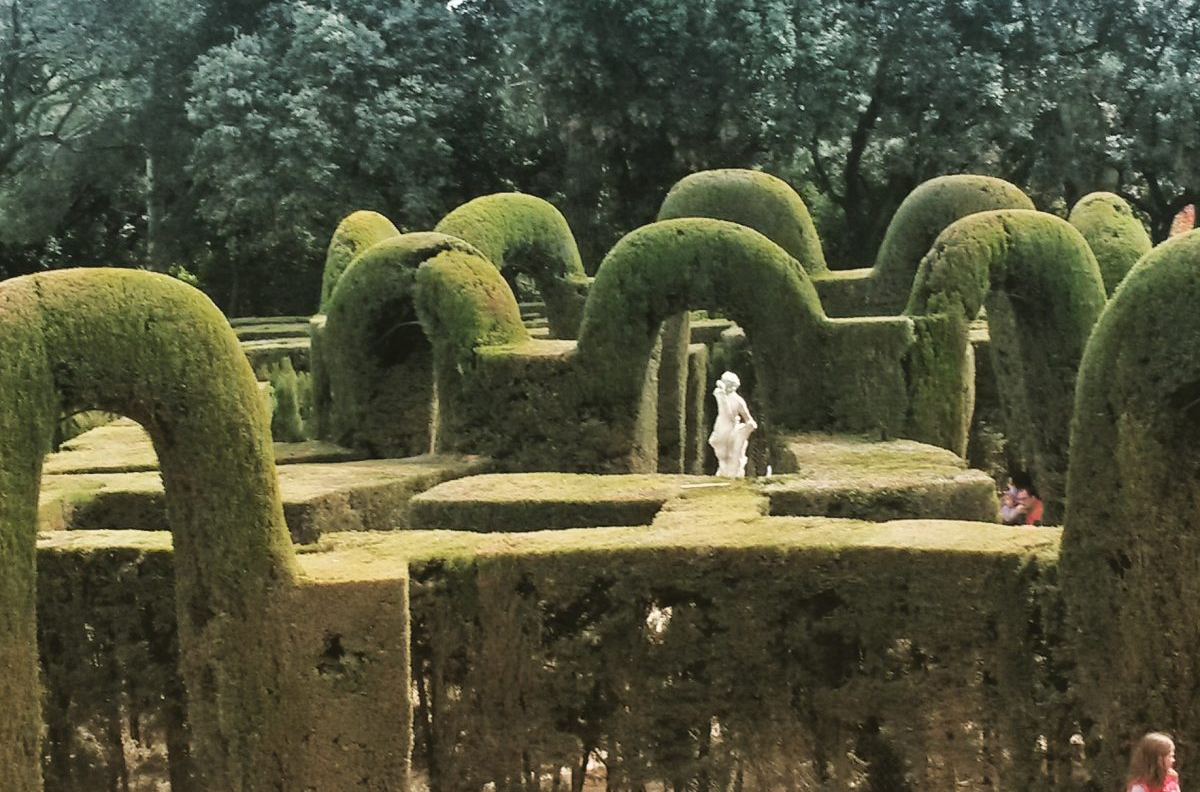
158	351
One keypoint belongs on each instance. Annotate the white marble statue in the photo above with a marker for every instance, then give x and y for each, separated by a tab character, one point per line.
731	431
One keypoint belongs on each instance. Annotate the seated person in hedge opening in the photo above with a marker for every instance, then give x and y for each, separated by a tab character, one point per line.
1152	765
1008	503
1020	504
1029	505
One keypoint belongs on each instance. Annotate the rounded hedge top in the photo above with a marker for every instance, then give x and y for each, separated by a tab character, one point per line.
154	349
671	266
1132	540
927	210
357	232
504	224
523	233
763	202
1012	249
1113	231
464	303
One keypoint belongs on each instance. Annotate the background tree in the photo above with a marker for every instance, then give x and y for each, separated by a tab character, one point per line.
319	113
641	92
230	136
1120	105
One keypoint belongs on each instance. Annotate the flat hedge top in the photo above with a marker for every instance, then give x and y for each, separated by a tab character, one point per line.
372	555
502	488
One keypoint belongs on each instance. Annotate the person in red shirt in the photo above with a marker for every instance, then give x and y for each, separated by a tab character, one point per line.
1030	505
1152	765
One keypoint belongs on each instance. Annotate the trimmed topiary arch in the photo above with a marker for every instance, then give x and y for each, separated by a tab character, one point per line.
523	233
754	199
554	405
671	266
1131	546
1115	234
152	348
374	354
1042	289
357	232
763	202
921	217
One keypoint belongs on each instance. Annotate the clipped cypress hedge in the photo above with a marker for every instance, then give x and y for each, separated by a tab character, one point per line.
374	354
1132	539
155	349
883	290
523	233
716	646
755	653
110	656
763	202
1043	291
552	405
354	234
1114	233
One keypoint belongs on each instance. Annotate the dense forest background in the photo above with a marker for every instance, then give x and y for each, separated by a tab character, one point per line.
224	139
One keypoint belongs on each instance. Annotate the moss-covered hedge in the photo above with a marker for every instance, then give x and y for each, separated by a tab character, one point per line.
152	348
1132	542
715	647
374	356
920	218
354	234
109	649
755	653
1042	289
525	234
1115	234
763	202
117	716
548	406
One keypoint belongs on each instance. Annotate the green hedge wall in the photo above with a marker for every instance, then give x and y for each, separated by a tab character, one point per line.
781	652
154	349
1114	233
716	648
1043	291
1132	541
110	655
523	233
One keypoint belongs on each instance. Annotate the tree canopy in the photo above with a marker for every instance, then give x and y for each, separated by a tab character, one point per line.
229	138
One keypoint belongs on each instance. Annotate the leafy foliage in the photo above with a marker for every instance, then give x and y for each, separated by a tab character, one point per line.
230	137
321	112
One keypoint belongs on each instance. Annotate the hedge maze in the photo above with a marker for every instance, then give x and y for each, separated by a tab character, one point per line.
594	609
